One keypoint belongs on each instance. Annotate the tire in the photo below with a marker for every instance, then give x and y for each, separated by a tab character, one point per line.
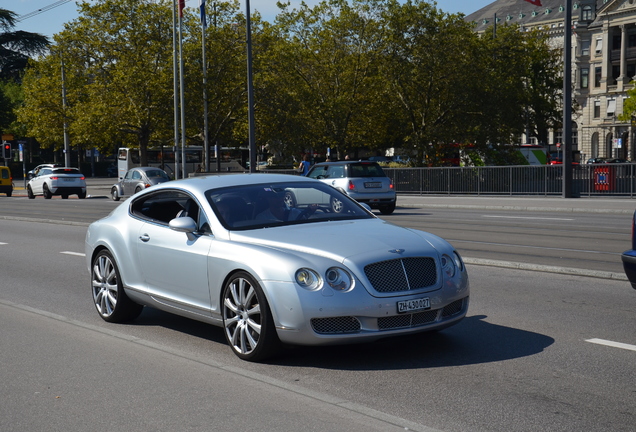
138	189
290	199
9	193
387	209
247	319
110	300
30	193
46	192
81	195
337	206
114	194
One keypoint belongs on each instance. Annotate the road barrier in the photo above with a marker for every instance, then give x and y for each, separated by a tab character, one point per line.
587	180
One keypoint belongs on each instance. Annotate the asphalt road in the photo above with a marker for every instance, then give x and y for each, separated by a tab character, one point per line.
538	350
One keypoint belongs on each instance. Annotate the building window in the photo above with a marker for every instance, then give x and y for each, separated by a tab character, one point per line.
616	72
631	70
599	46
616	42
597	76
585	77
597	109
585	48
611	107
631	40
586	13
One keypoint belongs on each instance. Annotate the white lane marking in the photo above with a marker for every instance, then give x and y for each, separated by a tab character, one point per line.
612	344
3	243
73	253
526	217
533	247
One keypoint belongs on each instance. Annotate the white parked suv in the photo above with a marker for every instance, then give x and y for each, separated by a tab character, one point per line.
64	181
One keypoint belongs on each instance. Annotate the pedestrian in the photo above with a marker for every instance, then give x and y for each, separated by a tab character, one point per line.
303	167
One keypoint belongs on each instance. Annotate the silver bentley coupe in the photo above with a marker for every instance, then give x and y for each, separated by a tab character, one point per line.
273	259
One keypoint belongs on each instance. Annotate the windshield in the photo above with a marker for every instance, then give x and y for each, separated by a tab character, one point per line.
279	204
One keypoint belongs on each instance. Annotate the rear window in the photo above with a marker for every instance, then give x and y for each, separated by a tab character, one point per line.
65	171
365	169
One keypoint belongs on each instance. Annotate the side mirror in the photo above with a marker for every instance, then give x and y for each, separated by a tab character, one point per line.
183	224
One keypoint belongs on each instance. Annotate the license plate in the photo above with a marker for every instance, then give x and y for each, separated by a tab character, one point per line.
68	179
373	185
413	305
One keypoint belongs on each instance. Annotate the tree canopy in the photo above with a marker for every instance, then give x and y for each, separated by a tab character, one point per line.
341	75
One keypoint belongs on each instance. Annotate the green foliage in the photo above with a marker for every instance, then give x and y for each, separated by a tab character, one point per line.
346	75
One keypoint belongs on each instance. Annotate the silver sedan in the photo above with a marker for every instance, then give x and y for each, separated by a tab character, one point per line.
137	179
231	251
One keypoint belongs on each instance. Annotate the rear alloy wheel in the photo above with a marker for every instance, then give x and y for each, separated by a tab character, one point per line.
110	300
336	205
30	193
247	319
114	194
46	192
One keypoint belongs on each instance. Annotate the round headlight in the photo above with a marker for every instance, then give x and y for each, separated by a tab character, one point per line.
338	279
308	279
458	261
448	266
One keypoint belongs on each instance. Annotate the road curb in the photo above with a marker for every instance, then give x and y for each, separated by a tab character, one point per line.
546	269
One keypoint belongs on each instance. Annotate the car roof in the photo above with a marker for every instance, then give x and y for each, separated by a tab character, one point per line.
201	184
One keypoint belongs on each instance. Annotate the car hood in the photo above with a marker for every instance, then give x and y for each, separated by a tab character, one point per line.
370	239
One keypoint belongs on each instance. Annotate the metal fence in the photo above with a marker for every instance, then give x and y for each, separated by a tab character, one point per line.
587	180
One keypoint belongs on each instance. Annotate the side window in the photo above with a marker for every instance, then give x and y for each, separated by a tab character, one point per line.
336	172
161	207
127	176
136	175
318	172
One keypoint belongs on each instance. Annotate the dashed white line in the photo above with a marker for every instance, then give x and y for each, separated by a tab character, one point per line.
612	344
3	243
525	217
73	253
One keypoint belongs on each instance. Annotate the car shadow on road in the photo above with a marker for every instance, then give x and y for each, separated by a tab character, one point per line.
473	341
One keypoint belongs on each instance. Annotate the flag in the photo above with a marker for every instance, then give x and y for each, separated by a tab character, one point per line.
181	6
535	2
202	7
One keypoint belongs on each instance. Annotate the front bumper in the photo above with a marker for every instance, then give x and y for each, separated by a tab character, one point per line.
629	265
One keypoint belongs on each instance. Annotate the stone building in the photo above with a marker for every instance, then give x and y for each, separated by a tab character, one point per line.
604	65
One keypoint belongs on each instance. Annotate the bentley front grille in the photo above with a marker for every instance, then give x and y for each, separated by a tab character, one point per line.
402	274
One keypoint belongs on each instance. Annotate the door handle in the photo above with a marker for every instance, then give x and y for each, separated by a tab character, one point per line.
144	237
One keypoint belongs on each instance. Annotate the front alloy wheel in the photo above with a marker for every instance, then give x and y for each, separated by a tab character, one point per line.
112	303
247	320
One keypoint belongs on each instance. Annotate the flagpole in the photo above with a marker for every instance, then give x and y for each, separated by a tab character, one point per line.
175	87
182	98
250	89
206	148
567	102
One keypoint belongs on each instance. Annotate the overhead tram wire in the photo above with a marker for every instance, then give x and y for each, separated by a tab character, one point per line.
42	10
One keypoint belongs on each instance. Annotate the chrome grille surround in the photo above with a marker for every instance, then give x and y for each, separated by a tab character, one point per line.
402	274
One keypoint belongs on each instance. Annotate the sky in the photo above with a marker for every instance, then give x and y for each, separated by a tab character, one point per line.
54	13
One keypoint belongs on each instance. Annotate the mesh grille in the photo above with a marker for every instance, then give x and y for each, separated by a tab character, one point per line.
335	325
402	274
453	309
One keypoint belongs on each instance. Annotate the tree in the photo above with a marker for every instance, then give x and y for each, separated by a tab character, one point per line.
430	69
117	58
322	74
16	47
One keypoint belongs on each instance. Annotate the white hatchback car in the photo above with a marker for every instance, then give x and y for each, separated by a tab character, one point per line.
64	181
